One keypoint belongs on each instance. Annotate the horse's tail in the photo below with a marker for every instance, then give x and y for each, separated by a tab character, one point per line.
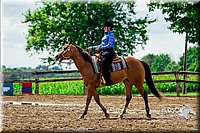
149	80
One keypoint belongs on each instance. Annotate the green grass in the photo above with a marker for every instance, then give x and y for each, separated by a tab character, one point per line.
190	94
72	87
77	87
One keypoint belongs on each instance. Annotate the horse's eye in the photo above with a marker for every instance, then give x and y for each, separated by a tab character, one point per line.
65	47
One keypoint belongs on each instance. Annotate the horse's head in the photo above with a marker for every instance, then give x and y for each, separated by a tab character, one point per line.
66	52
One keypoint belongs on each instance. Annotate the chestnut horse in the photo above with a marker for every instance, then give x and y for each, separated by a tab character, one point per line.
134	74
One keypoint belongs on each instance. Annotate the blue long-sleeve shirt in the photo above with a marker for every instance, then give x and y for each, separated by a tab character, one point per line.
107	41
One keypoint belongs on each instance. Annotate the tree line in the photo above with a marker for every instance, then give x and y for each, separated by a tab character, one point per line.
163	62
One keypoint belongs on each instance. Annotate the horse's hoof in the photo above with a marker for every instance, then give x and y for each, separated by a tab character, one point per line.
107	115
81	117
148	115
120	116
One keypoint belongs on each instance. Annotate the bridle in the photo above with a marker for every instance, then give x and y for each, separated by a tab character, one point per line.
67	48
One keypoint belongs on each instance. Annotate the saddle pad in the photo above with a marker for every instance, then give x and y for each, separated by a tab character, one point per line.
96	65
115	66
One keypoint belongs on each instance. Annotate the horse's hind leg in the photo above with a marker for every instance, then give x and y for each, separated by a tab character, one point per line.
97	99
145	97
128	87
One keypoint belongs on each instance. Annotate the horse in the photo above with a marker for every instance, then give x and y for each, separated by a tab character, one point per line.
135	74
184	111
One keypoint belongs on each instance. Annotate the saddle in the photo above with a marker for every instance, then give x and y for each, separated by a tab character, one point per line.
118	63
116	59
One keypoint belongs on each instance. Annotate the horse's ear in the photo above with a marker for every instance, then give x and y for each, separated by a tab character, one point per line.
70	41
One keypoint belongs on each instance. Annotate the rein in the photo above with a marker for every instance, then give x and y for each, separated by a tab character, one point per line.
68	49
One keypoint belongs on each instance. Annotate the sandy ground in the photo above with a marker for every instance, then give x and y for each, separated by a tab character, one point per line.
64	118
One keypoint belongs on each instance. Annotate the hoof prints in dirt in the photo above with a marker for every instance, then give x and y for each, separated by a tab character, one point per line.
65	118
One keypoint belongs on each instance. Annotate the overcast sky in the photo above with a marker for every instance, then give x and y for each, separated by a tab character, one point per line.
13	54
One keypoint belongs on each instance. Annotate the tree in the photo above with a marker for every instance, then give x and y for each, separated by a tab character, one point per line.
193	57
42	68
172	66
161	61
54	23
149	59
183	17
3	68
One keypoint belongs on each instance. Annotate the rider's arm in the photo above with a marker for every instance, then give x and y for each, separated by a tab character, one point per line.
107	42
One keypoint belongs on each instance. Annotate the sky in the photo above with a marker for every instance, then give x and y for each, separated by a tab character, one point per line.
13	54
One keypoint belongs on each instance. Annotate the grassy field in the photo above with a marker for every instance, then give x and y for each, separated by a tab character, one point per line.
77	88
189	94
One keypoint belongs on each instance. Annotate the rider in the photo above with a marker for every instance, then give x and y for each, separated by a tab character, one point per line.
107	50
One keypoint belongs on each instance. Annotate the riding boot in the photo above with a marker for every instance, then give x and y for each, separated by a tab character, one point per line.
106	74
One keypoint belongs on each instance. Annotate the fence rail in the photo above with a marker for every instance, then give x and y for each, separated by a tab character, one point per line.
36	78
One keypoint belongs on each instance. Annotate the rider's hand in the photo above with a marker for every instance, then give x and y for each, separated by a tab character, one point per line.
97	49
89	49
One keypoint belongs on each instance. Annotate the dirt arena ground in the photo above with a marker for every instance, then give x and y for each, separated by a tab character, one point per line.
64	118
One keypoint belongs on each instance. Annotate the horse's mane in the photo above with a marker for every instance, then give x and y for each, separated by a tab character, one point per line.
85	55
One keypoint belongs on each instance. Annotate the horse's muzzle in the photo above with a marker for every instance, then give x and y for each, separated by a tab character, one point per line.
58	58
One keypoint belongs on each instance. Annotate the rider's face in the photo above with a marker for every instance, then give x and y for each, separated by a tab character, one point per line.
106	29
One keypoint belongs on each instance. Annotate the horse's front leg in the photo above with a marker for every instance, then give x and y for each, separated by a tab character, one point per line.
89	97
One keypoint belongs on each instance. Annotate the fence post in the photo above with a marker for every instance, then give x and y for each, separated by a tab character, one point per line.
177	84
185	65
36	82
184	84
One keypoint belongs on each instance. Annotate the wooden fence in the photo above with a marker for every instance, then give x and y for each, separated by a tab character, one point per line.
36	78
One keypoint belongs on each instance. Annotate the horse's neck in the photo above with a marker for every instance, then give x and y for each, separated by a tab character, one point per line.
83	66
